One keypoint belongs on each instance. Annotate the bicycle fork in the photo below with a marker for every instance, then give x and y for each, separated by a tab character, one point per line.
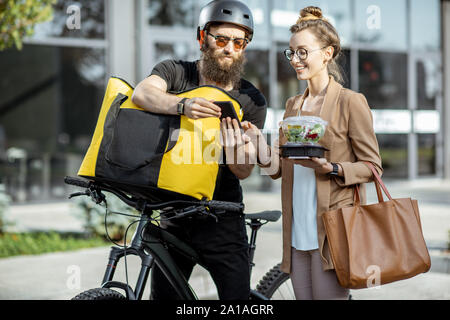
116	254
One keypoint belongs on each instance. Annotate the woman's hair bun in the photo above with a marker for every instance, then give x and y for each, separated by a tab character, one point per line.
310	13
315	11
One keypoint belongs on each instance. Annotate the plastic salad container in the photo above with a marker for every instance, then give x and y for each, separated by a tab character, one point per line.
303	129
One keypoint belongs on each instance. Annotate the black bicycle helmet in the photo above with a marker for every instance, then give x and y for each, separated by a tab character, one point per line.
226	11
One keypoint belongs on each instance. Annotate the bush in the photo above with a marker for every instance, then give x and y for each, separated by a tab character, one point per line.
93	216
13	244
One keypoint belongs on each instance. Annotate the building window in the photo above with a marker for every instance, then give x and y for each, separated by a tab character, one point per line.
288	84
382	79
381	23
427	154
176	51
49	109
261	30
394	155
172	13
286	13
425	25
256	70
344	63
428	85
92	21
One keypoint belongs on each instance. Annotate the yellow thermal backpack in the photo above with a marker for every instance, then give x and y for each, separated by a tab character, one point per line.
138	148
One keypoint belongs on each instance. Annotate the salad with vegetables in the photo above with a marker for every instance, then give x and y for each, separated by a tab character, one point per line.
303	129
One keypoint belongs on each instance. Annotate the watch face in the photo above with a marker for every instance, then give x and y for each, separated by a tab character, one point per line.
335	169
180	108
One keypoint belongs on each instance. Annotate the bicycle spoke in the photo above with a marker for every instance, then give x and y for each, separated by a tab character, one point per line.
284	292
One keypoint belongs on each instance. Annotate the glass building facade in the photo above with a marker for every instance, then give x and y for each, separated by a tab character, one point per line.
52	89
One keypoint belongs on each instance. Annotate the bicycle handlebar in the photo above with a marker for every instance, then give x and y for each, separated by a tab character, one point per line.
76	182
227	206
212	204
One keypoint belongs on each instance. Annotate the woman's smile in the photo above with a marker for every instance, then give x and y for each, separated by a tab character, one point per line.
299	68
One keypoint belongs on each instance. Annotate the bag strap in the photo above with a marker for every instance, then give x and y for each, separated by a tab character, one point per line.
356	197
378	182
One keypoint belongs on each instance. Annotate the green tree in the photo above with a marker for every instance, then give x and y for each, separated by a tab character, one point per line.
18	18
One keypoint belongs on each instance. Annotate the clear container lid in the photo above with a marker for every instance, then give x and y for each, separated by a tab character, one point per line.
303	120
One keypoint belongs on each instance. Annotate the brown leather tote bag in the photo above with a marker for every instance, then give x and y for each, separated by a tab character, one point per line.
378	243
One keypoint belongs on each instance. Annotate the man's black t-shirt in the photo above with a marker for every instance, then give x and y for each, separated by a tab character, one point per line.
183	75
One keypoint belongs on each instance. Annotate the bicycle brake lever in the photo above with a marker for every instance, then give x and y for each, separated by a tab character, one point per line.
183	214
214	216
77	194
207	213
96	196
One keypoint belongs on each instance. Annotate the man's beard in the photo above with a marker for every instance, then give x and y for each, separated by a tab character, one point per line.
222	74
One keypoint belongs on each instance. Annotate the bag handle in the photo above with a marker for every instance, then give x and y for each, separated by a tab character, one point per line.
378	182
356	197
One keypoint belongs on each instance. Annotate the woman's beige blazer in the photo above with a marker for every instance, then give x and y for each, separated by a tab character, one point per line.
351	139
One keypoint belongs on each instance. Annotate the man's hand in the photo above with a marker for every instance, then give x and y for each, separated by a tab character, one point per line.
197	108
240	153
238	148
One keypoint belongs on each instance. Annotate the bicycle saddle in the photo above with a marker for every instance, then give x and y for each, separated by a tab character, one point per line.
269	215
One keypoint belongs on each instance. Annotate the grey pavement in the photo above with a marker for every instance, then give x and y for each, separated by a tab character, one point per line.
62	275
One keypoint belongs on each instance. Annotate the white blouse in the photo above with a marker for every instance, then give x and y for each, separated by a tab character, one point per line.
304	205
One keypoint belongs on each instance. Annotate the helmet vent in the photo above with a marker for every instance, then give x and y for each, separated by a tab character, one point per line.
226	11
246	16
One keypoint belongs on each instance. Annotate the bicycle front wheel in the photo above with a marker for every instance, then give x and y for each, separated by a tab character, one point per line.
99	294
276	285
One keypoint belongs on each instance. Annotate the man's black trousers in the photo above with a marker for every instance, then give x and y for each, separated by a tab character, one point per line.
223	250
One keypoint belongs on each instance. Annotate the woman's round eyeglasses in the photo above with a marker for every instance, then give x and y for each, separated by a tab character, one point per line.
301	53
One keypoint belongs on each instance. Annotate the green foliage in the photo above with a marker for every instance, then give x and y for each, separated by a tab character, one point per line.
93	217
18	18
12	244
4	205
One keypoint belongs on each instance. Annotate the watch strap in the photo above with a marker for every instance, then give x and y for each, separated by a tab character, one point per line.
180	106
335	170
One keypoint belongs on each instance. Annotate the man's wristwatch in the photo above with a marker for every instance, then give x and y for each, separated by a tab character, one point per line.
334	172
180	106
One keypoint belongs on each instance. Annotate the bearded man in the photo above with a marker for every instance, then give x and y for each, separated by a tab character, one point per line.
225	29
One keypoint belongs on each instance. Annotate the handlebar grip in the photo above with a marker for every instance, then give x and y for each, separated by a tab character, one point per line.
76	182
227	206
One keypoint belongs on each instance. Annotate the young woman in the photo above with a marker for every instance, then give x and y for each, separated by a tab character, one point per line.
312	187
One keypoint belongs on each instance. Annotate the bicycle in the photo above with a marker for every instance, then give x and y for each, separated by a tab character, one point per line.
151	242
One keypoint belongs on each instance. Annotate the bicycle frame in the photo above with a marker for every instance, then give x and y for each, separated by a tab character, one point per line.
157	241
